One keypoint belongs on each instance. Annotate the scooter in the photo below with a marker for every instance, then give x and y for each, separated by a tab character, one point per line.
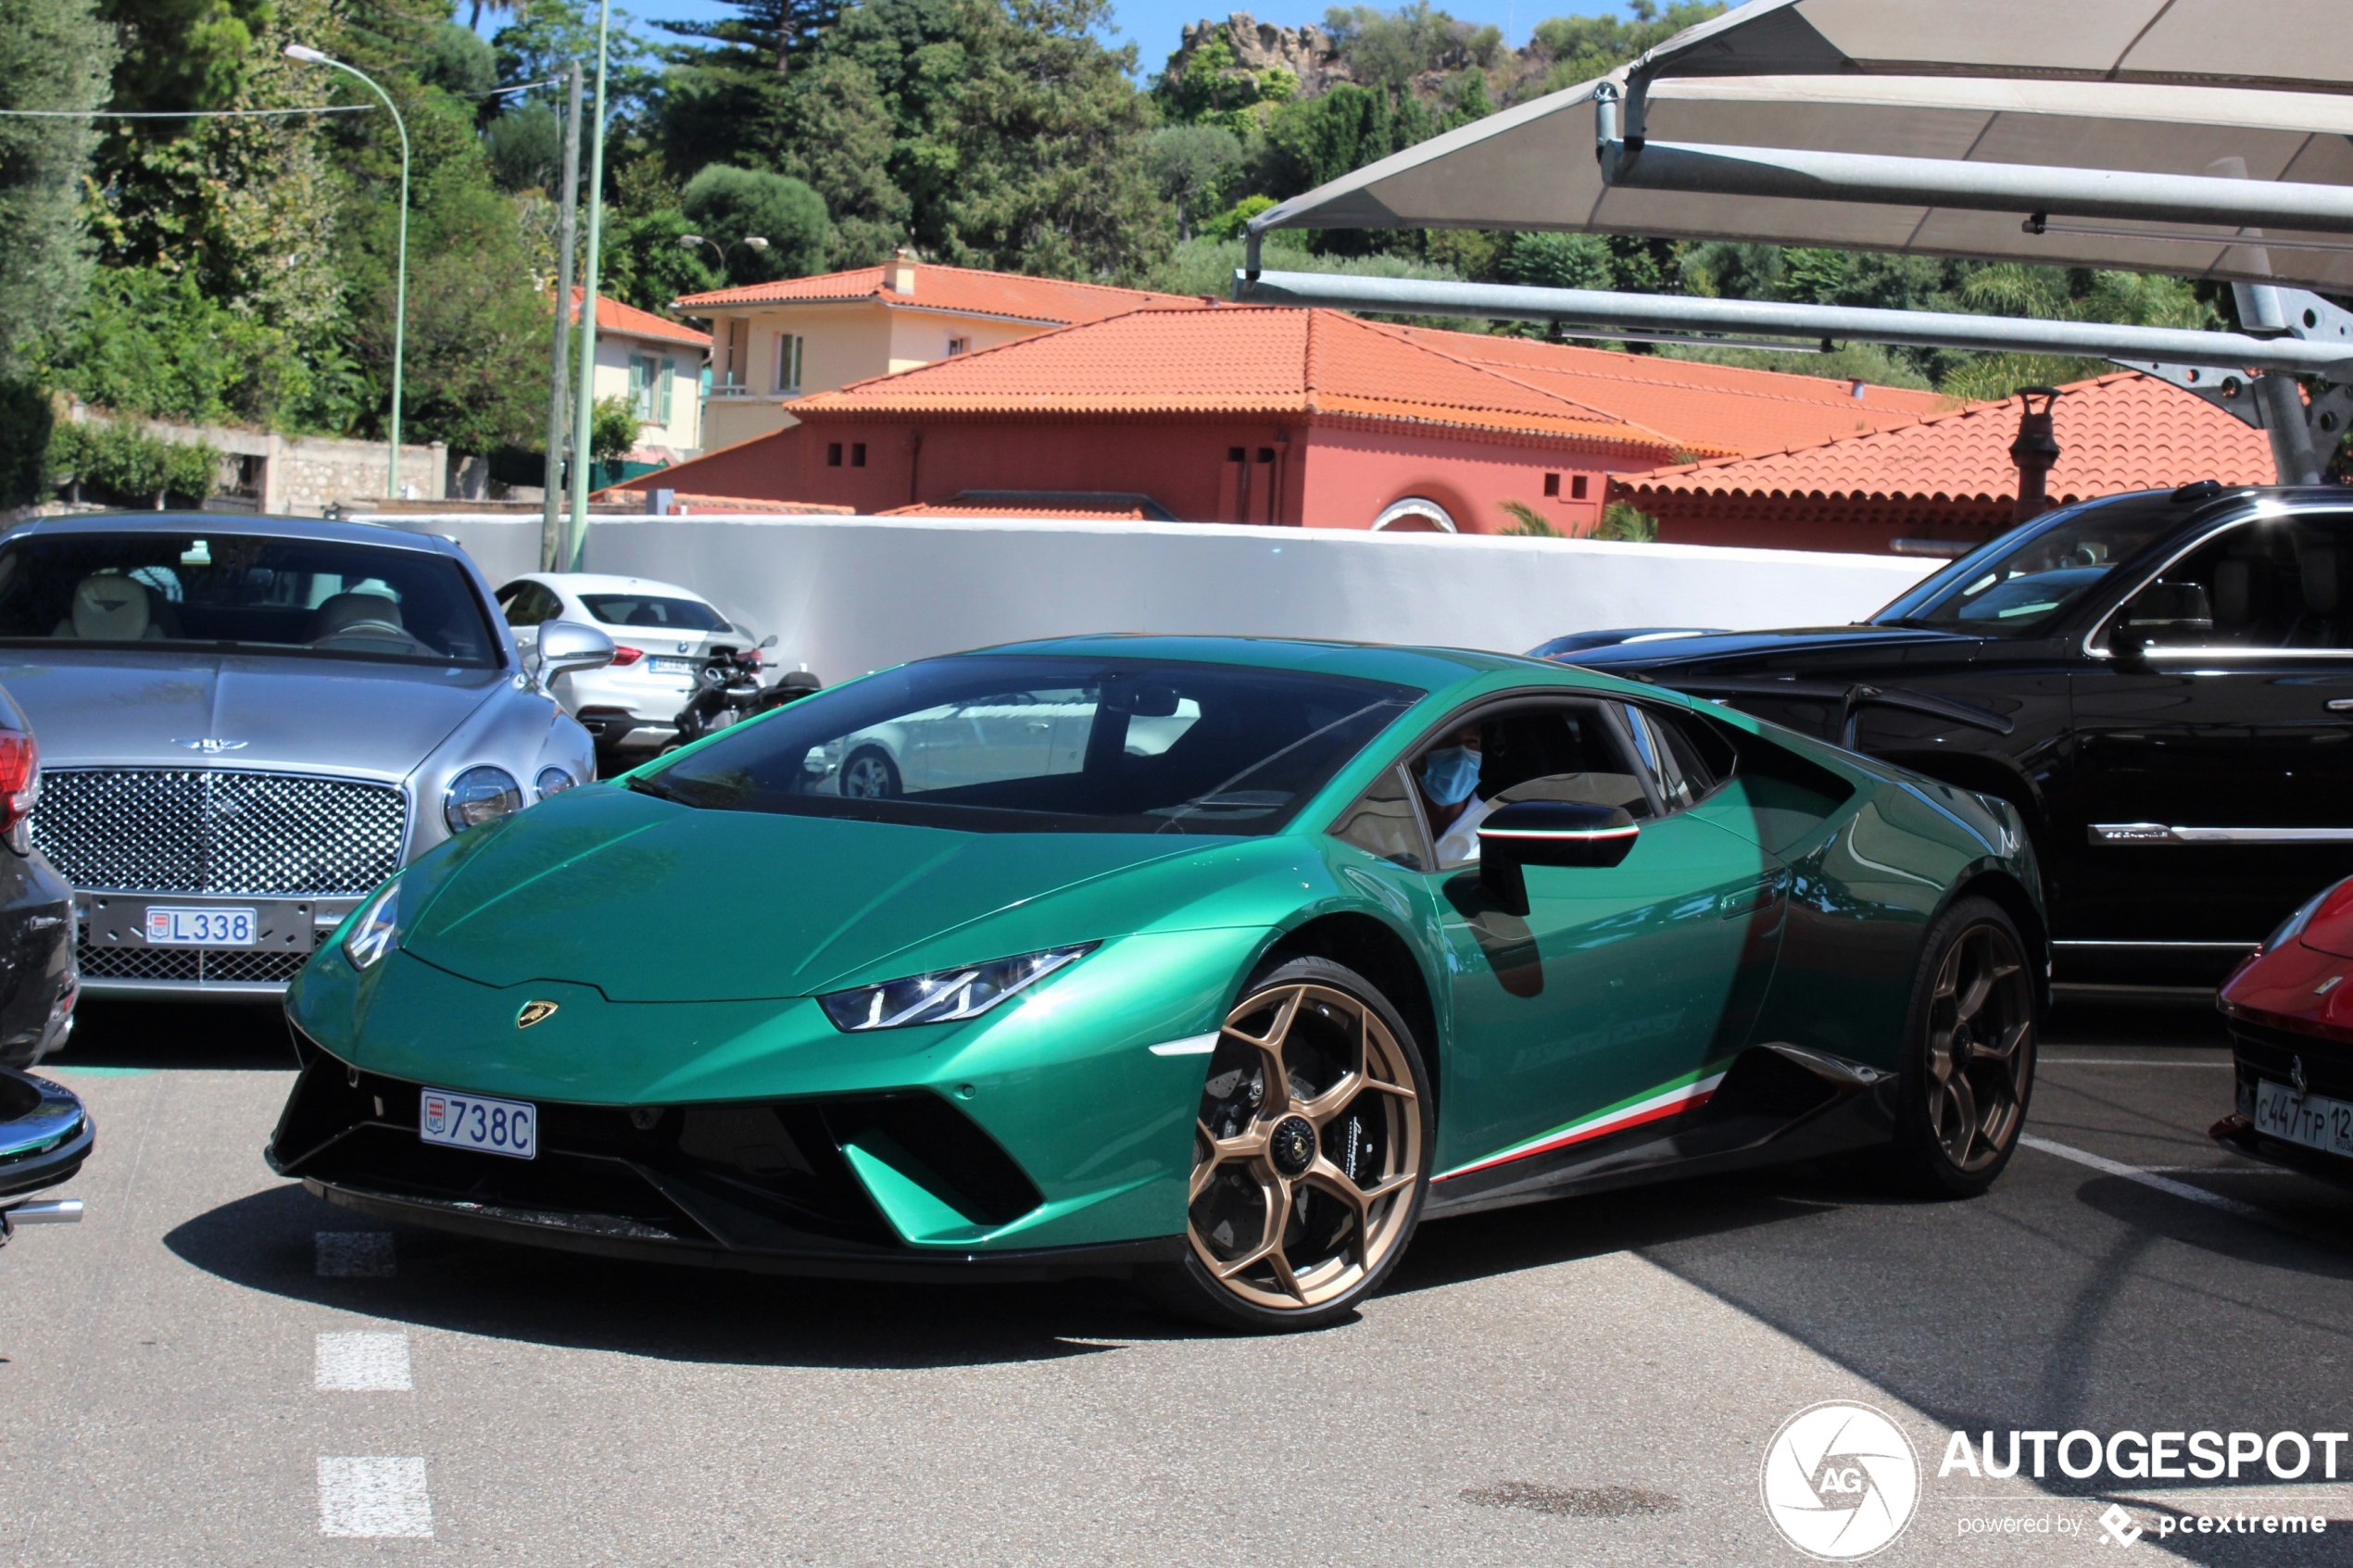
726	688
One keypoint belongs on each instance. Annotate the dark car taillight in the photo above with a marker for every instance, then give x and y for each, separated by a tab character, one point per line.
20	778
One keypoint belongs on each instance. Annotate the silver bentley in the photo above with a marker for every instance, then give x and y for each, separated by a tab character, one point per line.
247	722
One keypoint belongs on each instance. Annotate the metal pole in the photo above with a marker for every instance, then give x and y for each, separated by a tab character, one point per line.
2261	311
585	399
2023	188
551	520
1809	324
400	275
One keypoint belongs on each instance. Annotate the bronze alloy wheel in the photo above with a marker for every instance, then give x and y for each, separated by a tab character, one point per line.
1309	1149
1980	1047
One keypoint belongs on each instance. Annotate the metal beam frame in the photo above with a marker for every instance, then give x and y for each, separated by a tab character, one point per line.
2314	338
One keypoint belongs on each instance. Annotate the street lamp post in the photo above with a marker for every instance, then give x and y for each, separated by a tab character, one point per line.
400	276
750	241
585	399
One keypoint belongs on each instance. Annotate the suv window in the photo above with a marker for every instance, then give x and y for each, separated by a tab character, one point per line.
2279	582
528	604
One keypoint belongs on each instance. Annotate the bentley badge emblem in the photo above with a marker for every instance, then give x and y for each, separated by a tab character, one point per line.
534	1012
210	747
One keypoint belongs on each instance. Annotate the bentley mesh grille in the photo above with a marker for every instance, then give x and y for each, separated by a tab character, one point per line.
186	964
202	830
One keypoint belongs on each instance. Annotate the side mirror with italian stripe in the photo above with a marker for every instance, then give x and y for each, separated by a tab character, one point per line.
1547	833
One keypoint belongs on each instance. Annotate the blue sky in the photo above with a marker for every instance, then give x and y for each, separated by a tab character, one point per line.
1156	26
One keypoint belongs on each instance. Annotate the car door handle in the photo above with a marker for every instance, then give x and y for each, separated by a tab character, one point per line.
2341	705
1749	901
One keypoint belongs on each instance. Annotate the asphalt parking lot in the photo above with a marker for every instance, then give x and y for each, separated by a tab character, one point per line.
215	1368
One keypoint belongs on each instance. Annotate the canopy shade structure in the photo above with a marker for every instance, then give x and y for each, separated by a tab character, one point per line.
2299	45
1534	167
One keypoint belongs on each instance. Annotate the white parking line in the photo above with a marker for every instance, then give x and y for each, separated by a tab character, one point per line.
354	1254
363	1362
371	1496
2147	1178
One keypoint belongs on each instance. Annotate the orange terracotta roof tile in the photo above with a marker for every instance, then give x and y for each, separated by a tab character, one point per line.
962	289
1709	411
1236	360
627	320
2116	432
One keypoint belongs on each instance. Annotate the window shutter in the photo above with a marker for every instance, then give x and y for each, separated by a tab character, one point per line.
661	405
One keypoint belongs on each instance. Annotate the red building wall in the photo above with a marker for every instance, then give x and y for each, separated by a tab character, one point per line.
1241	469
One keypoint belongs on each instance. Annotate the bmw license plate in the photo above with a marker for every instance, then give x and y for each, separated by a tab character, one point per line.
2314	1121
170	926
670	666
489	1126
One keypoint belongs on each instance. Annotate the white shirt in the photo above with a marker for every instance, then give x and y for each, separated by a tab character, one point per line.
1459	843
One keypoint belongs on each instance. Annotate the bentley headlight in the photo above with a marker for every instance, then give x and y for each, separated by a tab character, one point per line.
373	933
479	796
946	996
554	781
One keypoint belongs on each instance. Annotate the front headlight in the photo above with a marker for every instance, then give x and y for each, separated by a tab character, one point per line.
553	782
372	934
479	796
946	996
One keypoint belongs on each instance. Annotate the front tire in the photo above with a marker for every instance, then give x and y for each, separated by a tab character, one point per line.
870	775
1968	1060
1311	1155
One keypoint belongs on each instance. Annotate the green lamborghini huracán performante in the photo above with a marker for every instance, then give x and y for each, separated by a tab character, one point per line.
1215	963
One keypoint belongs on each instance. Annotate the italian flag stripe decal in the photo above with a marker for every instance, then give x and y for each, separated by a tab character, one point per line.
1689	1094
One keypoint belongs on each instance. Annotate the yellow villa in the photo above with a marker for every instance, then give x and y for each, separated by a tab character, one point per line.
773	343
658	365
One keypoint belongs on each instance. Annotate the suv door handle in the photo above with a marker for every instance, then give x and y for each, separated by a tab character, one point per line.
2341	705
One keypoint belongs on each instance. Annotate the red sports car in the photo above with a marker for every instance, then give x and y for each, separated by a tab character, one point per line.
2291	1018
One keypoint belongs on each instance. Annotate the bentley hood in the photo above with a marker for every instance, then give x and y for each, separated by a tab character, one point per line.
649	902
183	710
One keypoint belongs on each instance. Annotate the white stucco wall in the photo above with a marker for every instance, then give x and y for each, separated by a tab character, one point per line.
849	594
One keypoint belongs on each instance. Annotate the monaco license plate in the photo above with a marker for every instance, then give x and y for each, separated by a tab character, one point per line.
2314	1121
489	1126
670	666
174	926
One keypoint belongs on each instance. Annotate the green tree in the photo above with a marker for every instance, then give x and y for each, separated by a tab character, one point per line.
1193	165
735	75
525	149
612	428
1573	49
54	55
729	206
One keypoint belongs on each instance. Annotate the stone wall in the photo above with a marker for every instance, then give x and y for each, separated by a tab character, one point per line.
299	476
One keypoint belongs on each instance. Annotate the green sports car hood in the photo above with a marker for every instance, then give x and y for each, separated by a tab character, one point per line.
650	901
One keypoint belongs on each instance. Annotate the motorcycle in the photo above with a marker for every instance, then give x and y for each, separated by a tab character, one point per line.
44	1136
727	689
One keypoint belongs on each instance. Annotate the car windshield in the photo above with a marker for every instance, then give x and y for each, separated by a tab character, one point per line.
1015	744
654	610
2026	580
254	593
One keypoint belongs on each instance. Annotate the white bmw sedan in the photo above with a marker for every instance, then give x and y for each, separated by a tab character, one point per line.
661	633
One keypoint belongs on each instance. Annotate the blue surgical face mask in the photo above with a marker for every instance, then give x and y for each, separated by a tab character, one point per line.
1450	774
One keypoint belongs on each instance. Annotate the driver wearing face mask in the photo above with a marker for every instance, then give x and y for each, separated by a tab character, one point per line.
1448	778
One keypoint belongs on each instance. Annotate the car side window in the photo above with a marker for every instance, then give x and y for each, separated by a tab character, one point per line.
1543	751
1688	761
526	604
1386	823
2285	583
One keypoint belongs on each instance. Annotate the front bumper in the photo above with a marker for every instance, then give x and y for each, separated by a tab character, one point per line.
2261	1050
812	1186
45	1135
116	960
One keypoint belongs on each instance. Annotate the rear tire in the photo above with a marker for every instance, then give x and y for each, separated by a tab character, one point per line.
1968	1055
1311	1155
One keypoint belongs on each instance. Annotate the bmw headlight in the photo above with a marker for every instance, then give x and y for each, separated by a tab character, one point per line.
554	781
479	796
378	925
945	996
